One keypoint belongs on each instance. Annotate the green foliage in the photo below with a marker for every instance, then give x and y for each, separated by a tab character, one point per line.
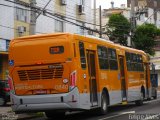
119	28
144	38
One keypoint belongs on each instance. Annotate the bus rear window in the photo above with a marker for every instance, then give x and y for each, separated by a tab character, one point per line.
56	50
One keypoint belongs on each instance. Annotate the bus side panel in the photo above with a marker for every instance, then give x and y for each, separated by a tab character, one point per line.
134	87
115	84
82	77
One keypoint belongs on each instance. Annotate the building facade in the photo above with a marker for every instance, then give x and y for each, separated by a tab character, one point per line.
67	16
21	19
147	11
105	14
62	16
6	34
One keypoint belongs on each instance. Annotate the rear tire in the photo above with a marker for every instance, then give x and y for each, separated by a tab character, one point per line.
104	104
55	115
140	102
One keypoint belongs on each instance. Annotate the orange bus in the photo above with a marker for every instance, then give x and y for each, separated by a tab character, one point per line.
55	73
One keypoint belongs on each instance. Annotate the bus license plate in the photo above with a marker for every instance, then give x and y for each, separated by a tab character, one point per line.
40	91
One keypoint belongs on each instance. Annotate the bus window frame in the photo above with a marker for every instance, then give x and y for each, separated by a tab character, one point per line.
131	62
113	59
84	57
102	57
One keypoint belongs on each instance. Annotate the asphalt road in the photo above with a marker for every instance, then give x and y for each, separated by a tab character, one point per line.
149	111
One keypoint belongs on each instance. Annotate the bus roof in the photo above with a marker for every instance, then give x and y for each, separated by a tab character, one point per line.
41	35
87	36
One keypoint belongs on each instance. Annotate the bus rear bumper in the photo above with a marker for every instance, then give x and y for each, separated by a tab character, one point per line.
41	107
36	103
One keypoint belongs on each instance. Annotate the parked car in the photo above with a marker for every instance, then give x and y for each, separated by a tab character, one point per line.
4	92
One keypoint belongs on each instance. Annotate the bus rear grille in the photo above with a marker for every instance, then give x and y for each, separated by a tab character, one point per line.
39	74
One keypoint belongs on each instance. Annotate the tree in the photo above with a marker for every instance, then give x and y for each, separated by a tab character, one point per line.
119	28
144	38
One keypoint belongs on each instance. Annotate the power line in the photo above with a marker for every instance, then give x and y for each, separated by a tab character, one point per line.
74	24
57	17
115	23
39	9
71	8
74	19
71	17
14	7
53	16
43	9
150	16
16	28
69	12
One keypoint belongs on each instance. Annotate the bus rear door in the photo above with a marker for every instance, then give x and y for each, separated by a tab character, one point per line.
122	78
92	77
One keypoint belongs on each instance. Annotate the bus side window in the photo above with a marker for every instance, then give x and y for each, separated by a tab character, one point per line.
128	60
140	62
112	59
134	62
103	57
82	55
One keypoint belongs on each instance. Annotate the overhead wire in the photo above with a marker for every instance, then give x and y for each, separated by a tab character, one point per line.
53	17
59	14
70	13
17	28
72	7
56	16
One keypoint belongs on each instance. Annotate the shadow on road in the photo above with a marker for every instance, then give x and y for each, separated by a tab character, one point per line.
91	115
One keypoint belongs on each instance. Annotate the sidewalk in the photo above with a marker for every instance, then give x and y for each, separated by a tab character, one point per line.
13	116
6	113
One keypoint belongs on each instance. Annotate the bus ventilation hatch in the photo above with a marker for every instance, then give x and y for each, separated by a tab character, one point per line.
39	74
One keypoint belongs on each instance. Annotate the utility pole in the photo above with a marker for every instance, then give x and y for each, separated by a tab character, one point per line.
33	17
100	22
132	19
94	14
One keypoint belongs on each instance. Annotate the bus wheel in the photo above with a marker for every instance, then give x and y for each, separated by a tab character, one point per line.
140	102
104	104
55	115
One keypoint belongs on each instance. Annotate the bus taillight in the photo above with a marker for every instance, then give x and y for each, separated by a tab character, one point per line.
10	82
73	80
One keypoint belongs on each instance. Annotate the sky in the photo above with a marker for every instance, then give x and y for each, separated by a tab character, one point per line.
107	3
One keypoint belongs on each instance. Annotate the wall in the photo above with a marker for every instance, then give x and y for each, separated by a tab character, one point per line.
45	24
6	20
